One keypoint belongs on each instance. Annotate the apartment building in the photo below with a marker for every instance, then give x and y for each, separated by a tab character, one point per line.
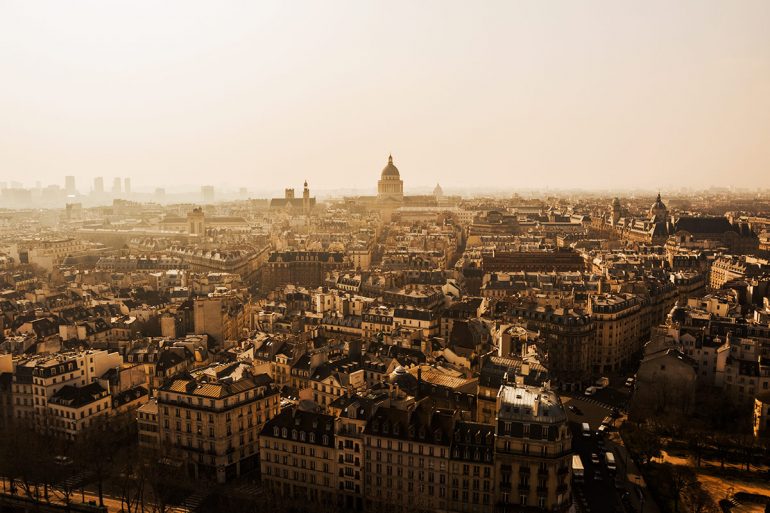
353	412
617	318
147	425
568	337
728	267
472	468
37	379
72	409
299	458
210	419
407	458
533	449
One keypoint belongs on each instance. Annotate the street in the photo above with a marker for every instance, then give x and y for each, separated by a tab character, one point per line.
602	490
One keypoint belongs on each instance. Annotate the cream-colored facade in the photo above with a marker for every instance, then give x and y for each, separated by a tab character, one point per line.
618	329
299	458
210	420
533	449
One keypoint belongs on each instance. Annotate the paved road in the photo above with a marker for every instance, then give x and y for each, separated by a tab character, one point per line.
602	491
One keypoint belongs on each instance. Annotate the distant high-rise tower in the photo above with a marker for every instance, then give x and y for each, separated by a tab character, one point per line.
160	193
99	185
127	186
69	185
207	191
116	186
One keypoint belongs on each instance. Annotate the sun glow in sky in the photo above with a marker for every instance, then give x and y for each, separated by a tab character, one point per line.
265	94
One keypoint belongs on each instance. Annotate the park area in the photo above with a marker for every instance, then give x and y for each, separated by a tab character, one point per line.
695	473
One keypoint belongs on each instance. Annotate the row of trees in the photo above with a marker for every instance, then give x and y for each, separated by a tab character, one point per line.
42	466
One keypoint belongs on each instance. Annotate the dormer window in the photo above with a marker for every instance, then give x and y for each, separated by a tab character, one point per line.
312	438
275	431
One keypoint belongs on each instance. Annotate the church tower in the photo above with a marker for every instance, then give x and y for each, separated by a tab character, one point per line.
615	211
306	199
196	224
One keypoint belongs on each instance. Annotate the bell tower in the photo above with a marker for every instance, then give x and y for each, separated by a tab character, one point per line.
306	199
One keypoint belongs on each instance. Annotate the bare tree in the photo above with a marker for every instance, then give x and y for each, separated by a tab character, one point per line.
697	500
99	444
681	479
697	443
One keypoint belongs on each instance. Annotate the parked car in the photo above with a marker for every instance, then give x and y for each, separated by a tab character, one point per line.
630	382
574	409
590	391
625	498
595	458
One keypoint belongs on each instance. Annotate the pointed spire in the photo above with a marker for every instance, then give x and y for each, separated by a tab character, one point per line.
390	159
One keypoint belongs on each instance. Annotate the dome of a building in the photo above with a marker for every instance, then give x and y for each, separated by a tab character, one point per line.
401	377
658	204
658	210
390	171
438	191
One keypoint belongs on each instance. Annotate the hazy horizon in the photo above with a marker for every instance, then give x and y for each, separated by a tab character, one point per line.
609	95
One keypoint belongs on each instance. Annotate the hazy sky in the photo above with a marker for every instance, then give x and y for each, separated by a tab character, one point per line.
265	94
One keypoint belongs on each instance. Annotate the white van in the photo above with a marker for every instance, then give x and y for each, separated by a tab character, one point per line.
578	471
610	459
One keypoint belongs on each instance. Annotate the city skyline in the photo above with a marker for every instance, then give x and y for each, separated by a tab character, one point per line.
417	257
523	95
